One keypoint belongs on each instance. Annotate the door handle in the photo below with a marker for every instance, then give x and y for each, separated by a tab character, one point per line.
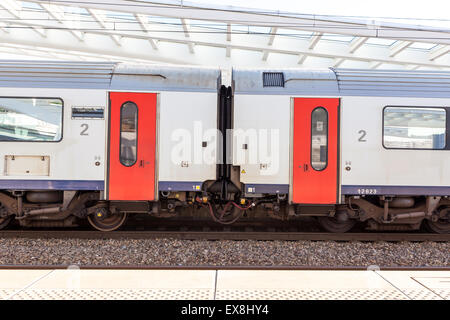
142	163
305	167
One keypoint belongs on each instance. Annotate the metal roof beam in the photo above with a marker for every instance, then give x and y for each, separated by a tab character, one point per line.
375	64
228	52
356	43
41	52
4	27
228	49
247	44
185	28
313	23
13	8
144	25
398	47
438	52
186	34
338	62
99	19
302	58
273	33
296	47
315	38
413	67
58	14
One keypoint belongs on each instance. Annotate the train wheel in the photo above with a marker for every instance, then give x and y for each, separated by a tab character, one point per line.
4	222
340	223
104	220
442	225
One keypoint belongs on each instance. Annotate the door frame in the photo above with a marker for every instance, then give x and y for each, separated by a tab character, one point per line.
291	148
108	140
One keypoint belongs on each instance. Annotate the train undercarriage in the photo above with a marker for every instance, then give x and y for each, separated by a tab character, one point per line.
377	213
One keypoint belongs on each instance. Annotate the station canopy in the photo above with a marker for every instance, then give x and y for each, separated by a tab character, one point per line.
179	32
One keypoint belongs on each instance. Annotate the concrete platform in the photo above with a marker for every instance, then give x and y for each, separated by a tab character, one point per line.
83	284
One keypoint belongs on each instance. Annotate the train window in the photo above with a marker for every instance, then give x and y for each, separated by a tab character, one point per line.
31	119
319	138
128	134
414	128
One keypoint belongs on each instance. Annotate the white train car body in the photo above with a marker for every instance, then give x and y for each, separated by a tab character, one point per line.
369	167
380	138
67	162
76	156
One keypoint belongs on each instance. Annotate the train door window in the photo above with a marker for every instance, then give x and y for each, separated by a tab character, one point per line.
128	133
319	138
31	119
414	128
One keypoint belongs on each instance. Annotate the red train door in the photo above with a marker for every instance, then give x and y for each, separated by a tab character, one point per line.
315	150
132	142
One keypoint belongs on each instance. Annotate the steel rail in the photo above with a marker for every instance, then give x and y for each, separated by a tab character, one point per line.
226	235
220	267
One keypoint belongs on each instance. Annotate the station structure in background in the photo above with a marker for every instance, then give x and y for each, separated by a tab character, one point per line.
178	32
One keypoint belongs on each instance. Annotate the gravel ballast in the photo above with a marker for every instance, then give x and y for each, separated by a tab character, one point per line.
171	252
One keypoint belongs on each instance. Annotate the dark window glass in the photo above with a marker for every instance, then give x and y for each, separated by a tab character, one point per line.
128	134
31	119
414	128
319	138
87	112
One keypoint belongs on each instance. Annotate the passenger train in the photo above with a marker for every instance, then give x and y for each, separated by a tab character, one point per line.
101	141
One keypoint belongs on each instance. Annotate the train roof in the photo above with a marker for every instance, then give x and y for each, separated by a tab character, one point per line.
342	82
107	75
292	81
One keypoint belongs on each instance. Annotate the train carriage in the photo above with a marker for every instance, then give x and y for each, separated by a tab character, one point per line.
99	141
373	145
74	135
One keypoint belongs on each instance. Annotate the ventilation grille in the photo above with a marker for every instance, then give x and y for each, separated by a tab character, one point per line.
273	79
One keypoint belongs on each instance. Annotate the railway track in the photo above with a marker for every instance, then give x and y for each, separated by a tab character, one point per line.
216	267
226	235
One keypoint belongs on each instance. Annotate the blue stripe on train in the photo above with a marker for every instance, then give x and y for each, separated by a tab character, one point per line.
52	184
197	186
267	188
180	186
395	190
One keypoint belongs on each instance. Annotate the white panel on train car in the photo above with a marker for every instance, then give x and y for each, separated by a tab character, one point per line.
77	158
187	137
261	138
368	167
27	165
